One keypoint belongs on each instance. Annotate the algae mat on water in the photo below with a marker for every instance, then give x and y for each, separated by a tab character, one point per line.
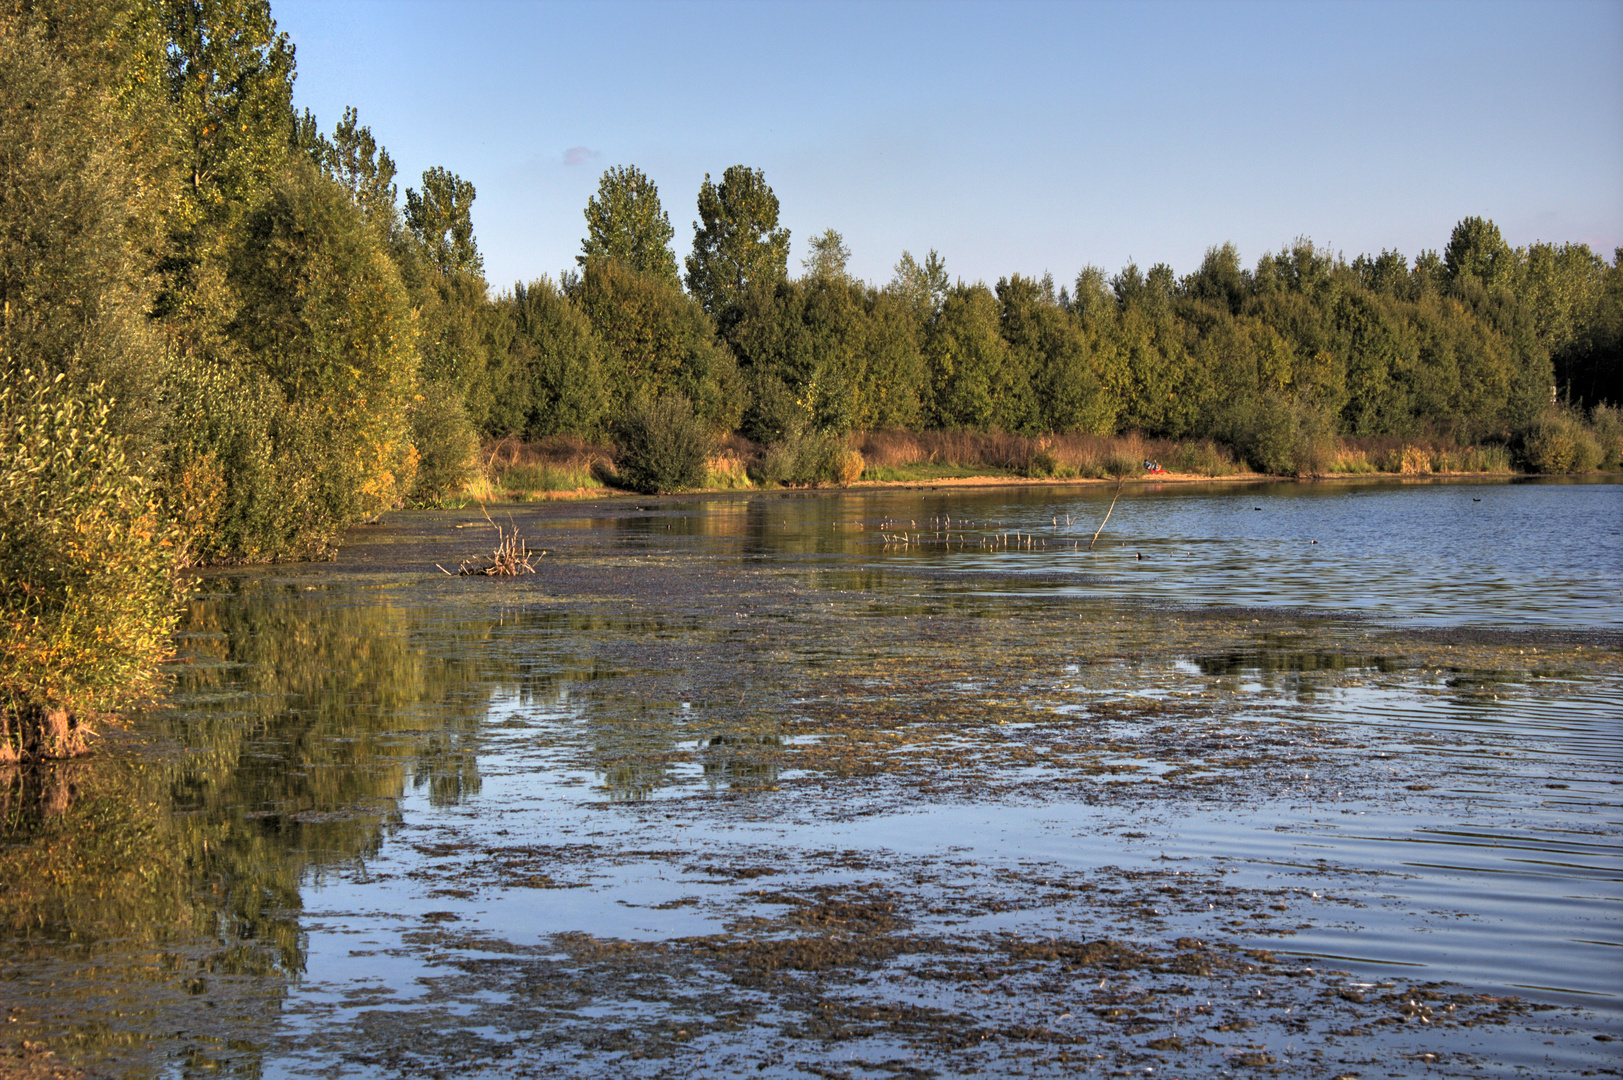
744	787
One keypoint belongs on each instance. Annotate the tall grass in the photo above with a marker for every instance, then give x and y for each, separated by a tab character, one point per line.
891	454
555	467
1415	457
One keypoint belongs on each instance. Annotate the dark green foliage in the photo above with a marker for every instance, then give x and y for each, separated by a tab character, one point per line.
975	384
557	369
660	445
463	342
1050	344
655	341
736	241
446	442
625	222
826	354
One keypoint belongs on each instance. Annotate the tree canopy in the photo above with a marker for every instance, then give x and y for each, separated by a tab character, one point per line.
736	241
624	221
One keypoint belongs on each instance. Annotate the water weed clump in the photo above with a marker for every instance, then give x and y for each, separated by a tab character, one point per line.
87	567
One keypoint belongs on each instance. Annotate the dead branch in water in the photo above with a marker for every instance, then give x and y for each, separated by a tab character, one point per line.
510	558
1106	521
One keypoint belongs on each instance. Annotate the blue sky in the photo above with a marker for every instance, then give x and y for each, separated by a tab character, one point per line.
1011	137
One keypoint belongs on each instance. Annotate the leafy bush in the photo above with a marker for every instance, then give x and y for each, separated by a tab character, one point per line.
1204	458
1117	465
802	458
1559	442
1042	463
447	445
660	445
87	596
1282	438
1607	422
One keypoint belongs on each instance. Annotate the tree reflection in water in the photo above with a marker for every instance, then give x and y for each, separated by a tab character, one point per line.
152	892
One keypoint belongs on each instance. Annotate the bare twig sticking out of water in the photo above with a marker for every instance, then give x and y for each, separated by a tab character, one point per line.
510	558
1106	521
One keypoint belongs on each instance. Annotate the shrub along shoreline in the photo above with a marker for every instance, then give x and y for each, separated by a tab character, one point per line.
513	470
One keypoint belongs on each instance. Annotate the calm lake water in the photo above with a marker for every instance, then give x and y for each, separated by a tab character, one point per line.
859	783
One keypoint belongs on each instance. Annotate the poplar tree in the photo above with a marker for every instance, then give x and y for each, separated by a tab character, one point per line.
441	218
625	222
736	241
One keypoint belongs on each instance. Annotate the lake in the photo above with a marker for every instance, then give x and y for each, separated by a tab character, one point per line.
1316	779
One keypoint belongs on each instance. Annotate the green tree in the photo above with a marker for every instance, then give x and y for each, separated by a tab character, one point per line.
656	341
297	426
1050	345
74	289
1476	250
441	218
1387	273
366	170
1220	281
229	76
974	382
736	241
558	368
625	221
827	258
921	286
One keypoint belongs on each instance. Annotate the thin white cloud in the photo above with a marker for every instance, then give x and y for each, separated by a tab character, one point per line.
580	155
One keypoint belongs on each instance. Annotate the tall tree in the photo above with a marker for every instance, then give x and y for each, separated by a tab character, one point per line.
736	241
656	340
625	221
73	286
230	83
441	218
922	286
1477	250
366	169
827	258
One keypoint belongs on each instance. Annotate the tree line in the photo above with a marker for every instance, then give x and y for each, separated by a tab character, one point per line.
227	335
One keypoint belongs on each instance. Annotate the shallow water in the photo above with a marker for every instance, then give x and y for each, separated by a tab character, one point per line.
801	781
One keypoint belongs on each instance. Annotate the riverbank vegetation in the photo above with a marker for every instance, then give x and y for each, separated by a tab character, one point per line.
276	344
